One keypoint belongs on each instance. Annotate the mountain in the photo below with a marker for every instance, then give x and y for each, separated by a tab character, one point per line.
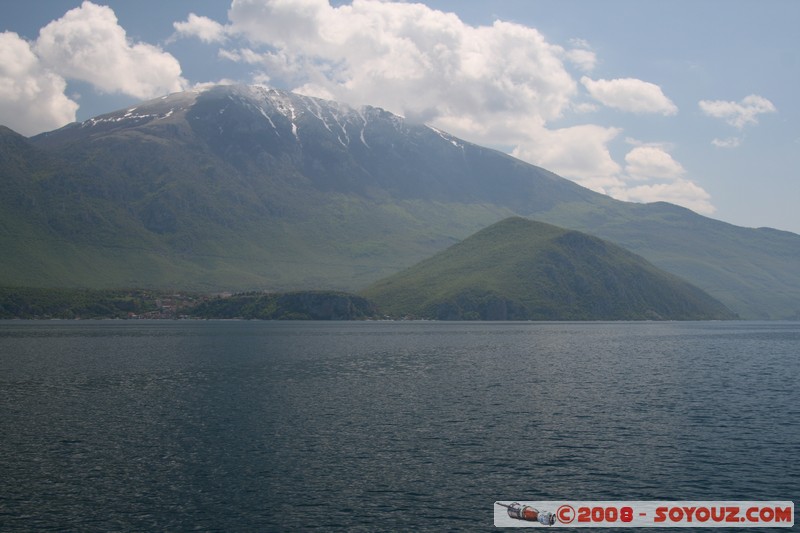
242	187
518	269
245	187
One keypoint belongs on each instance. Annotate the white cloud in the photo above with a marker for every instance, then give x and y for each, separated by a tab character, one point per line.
582	57
210	84
32	98
204	28
652	162
732	142
580	43
652	175
487	83
88	44
629	94
738	114
681	192
579	153
274	64
583	107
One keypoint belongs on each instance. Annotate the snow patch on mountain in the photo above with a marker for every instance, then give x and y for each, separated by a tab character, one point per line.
342	121
157	109
447	137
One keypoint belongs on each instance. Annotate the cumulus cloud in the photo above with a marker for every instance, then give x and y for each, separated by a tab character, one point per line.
738	114
582	55
629	94
203	28
652	162
32	97
483	82
579	153
681	192
652	174
88	44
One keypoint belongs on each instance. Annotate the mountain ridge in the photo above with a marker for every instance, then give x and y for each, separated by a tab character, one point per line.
229	188
252	126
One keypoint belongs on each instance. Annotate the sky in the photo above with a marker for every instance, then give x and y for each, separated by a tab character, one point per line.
693	102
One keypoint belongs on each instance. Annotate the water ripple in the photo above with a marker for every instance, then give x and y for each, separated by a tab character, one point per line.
220	426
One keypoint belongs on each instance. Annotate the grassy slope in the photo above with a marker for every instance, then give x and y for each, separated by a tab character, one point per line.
543	272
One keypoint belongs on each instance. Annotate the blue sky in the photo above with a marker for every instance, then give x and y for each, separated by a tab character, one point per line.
688	101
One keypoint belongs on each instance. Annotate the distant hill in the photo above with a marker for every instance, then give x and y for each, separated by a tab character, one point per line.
33	303
302	305
518	269
247	188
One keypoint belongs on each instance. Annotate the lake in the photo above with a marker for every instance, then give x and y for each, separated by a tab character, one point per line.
287	426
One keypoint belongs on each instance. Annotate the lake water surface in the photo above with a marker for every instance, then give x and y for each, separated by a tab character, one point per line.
276	426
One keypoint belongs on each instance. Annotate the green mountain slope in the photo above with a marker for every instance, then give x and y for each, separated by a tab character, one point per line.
518	269
246	188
